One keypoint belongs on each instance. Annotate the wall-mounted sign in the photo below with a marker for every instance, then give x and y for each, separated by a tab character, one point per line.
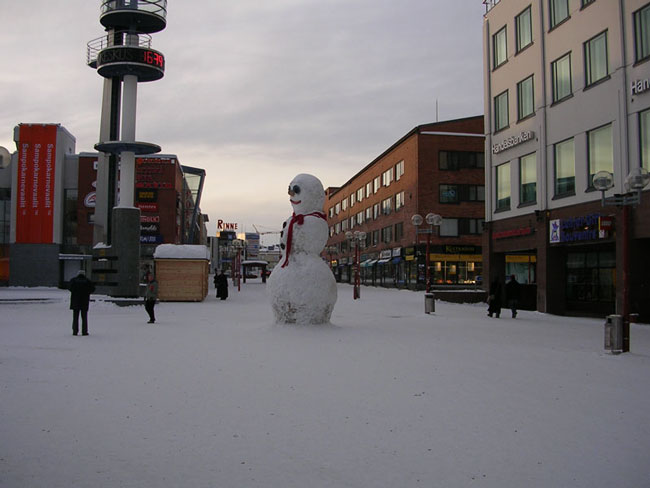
584	228
148	195
147	207
504	234
513	141
640	86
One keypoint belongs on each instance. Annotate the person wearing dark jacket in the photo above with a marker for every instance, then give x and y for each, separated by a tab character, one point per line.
221	284
513	292
494	299
80	290
150	296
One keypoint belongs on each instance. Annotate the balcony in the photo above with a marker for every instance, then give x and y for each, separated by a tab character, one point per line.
146	16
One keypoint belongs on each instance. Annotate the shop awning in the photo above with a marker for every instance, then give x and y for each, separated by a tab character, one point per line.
366	263
396	259
383	261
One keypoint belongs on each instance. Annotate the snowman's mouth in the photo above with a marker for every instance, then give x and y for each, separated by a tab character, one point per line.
295	203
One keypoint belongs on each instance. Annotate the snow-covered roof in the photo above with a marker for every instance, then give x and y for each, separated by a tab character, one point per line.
181	251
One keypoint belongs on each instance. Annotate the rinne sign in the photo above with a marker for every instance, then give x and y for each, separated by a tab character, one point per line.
221	225
513	141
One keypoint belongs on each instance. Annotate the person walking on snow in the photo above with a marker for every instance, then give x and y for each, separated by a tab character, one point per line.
221	284
80	290
150	296
494	300
513	291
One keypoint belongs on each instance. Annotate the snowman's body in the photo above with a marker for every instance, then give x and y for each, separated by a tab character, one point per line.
301	287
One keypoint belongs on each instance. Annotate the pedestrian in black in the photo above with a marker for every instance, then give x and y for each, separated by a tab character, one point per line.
80	290
494	298
150	296
513	292
221	284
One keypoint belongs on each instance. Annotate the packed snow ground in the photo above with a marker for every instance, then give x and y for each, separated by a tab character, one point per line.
215	395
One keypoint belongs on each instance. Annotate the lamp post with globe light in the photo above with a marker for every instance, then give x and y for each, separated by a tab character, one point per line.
357	240
433	220
635	182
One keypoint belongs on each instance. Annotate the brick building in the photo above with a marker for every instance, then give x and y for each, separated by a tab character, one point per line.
437	167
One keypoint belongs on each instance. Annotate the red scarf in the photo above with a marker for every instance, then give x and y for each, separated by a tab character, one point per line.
298	219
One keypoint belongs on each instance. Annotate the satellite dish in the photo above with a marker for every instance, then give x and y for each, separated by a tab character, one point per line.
5	157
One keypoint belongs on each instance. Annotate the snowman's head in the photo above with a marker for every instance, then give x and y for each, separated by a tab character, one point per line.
306	194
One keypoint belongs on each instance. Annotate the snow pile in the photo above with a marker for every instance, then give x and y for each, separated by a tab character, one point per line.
181	251
301	288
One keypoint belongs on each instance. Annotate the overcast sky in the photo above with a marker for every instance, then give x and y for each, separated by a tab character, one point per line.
255	92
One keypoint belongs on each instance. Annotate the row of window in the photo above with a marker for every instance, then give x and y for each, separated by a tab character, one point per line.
385	207
395	233
385	179
600	157
456	193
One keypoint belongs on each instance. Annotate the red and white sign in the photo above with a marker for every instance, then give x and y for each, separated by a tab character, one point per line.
36	167
221	225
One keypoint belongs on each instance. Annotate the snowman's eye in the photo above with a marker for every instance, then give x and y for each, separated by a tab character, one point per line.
295	189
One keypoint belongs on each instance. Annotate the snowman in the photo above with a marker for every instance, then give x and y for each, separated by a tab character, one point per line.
301	287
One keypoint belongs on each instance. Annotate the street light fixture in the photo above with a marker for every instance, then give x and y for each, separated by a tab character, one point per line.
635	182
236	273
357	240
433	220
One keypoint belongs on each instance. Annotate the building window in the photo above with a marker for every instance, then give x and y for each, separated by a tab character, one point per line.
344	225
601	151
387	234
455	160
360	218
561	72
644	131
449	228
337	208
399	170
525	98
642	33
501	111
377	183
331	212
503	186
565	168
524	29
559	11
375	237
368	189
596	67
584	3
399	231
386	206
352	199
448	193
331	231
399	200
528	179
337	227
376	211
500	47
387	177
344	204
359	194
369	213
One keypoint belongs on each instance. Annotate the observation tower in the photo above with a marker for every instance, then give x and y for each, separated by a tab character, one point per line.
124	57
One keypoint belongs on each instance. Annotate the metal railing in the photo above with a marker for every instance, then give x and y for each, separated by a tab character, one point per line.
120	38
490	4
156	7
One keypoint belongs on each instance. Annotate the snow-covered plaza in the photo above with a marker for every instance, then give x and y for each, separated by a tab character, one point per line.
215	395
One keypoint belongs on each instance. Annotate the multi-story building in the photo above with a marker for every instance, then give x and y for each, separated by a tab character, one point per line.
567	95
47	206
435	168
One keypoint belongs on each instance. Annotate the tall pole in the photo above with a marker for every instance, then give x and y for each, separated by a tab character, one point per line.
427	275
626	277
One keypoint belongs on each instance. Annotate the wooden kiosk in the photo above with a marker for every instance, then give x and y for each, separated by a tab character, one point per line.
182	272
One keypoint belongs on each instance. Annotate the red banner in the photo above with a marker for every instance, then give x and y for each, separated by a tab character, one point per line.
36	166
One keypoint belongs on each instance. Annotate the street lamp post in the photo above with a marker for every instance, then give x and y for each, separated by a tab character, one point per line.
238	245
357	239
636	180
433	220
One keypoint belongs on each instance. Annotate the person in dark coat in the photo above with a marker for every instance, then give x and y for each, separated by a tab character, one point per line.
494	299
221	284
80	290
150	296
513	292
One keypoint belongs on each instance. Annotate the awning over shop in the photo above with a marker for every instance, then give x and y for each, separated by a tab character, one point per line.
366	263
383	261
396	259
